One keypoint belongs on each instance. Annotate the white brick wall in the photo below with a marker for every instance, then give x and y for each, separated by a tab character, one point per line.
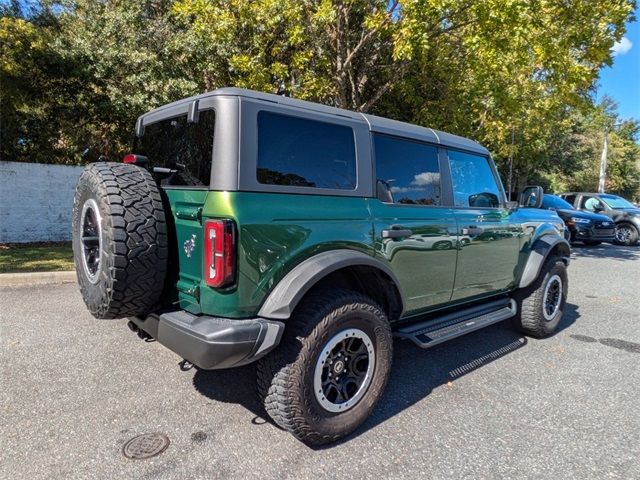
36	201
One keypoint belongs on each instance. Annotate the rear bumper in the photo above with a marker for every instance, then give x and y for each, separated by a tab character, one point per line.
212	342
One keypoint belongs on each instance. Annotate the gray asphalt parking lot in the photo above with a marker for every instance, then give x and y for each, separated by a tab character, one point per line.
493	404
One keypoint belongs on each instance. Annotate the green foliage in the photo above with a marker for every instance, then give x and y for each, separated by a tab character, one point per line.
573	154
516	75
36	88
126	56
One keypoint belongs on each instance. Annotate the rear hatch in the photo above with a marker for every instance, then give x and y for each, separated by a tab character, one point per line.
180	155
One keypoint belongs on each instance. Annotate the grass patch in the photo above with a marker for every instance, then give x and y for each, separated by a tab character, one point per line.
36	257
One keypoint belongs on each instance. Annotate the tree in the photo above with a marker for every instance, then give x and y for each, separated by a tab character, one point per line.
76	74
574	152
506	73
128	63
37	88
512	74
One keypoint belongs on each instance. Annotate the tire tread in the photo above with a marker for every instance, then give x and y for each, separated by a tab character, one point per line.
280	374
529	319
134	235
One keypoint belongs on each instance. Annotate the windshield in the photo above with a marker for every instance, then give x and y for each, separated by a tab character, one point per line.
180	145
551	201
615	201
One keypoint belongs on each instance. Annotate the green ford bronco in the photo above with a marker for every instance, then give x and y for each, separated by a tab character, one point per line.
249	227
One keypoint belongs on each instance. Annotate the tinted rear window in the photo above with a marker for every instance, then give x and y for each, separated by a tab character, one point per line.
177	144
409	170
300	152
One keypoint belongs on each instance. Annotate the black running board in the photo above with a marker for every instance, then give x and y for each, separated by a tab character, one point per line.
438	330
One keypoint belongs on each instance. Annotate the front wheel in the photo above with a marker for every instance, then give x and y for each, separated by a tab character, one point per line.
541	305
331	367
626	234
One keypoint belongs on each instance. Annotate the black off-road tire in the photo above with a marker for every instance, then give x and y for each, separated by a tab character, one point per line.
132	239
285	376
530	300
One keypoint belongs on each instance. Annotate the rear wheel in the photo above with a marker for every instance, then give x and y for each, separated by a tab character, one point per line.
119	240
626	234
330	369
541	305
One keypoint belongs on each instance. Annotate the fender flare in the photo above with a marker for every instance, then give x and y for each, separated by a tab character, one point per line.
633	221
286	295
538	255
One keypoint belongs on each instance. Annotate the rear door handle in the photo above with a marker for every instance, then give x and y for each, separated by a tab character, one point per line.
396	233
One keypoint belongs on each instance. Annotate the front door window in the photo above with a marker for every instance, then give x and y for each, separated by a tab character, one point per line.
474	184
591	204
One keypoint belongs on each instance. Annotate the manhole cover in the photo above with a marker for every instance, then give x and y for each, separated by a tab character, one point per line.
145	446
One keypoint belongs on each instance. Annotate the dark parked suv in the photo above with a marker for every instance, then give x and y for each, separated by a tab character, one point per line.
252	227
625	214
589	228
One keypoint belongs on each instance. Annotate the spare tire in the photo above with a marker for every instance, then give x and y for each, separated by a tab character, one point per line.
120	243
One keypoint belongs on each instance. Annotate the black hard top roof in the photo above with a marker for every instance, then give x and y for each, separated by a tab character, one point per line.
376	124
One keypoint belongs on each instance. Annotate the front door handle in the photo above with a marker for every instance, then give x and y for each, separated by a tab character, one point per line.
471	231
396	233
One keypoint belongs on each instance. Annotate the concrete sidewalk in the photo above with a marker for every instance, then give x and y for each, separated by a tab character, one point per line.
36	278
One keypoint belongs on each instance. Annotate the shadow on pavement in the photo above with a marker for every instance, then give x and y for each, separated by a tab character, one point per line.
605	251
415	372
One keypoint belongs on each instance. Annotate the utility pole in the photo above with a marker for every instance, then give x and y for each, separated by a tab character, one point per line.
603	162
509	186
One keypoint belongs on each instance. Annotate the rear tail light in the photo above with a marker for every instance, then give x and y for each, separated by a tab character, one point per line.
219	253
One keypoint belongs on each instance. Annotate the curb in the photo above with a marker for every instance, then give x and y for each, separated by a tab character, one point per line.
36	278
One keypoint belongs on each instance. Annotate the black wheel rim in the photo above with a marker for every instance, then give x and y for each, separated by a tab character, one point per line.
91	240
552	297
344	370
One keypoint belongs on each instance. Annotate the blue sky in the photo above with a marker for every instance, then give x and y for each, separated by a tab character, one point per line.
621	81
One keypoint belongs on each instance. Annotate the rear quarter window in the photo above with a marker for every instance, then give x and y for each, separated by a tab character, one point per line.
409	170
301	152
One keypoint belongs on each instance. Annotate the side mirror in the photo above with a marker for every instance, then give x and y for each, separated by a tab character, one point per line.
383	191
598	207
484	200
531	197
